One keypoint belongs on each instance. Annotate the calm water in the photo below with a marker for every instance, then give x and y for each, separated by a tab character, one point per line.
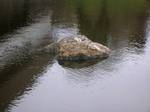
32	81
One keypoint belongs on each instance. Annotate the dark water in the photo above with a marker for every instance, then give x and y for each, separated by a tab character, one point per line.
35	82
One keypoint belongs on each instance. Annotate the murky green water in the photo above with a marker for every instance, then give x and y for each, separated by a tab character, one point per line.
35	82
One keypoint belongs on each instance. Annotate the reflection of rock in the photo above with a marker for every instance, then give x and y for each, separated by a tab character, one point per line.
78	64
81	48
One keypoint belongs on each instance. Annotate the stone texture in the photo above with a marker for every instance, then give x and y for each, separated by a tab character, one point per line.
81	48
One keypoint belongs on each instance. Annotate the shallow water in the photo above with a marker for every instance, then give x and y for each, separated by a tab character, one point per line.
36	82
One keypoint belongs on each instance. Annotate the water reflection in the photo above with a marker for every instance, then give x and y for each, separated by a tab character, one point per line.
64	20
29	78
113	21
103	21
23	44
13	85
78	64
18	13
24	28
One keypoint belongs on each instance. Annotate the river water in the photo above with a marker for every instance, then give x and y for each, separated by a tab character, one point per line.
33	81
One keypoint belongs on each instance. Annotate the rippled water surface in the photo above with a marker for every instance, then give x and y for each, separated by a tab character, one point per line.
34	81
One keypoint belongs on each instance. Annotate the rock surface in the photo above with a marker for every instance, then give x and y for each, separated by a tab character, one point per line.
81	48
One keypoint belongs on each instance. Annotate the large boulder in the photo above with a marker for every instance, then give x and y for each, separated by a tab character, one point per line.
81	48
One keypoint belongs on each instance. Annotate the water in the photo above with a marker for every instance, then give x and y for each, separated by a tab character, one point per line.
36	82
